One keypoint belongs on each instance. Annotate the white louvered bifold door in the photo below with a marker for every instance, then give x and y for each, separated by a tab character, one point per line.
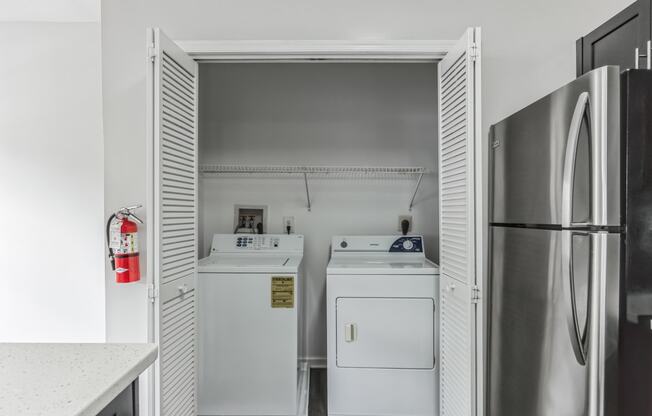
460	314
175	200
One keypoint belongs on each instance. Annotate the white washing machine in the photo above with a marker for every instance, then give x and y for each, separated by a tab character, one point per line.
382	327
250	326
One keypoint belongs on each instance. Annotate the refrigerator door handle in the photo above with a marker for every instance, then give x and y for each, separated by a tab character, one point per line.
599	310
581	108
578	335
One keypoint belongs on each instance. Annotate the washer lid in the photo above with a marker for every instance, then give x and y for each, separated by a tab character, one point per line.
398	264
247	263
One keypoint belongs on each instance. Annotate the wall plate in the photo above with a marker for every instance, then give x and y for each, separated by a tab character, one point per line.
400	220
288	221
247	217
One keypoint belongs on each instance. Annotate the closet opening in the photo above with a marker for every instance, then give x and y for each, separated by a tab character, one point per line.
278	116
365	133
361	164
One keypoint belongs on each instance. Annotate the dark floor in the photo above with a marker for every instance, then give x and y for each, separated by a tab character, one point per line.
318	402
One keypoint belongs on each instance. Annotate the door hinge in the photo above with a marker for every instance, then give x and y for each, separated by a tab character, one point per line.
152	292
151	53
475	51
475	294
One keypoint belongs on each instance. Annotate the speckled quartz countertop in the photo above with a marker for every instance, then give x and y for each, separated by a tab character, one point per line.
67	379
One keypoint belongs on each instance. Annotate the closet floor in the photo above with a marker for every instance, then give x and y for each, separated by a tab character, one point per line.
317	406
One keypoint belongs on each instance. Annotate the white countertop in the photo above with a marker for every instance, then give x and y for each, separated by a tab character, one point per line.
67	379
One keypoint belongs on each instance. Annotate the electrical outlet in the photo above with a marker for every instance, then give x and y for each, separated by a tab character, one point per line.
288	222
402	218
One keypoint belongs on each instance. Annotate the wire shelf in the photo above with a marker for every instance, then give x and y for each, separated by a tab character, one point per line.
314	170
321	171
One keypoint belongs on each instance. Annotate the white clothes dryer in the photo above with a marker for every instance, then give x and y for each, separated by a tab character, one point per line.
382	327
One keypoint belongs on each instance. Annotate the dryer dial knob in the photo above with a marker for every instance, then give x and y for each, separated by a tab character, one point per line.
344	244
407	245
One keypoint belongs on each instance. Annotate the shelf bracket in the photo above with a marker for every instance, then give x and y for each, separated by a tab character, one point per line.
416	189
305	179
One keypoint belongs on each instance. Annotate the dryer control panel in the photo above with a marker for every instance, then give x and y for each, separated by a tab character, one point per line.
407	245
378	244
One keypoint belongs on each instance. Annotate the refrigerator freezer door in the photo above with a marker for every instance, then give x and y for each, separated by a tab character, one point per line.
533	368
563	150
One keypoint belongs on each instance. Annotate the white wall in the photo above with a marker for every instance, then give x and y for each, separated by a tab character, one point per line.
50	11
319	114
123	89
529	46
51	179
124	66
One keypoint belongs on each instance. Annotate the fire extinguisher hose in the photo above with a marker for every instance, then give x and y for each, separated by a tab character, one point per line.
108	241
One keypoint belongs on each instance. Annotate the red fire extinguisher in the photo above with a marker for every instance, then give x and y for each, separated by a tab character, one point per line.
122	239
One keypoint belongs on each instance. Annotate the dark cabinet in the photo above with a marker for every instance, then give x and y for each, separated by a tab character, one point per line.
125	403
615	41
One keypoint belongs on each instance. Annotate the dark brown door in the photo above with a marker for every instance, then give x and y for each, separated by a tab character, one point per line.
615	41
124	404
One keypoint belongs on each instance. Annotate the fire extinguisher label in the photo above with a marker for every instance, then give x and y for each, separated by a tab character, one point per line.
128	243
114	233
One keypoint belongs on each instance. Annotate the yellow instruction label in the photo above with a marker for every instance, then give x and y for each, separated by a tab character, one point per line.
282	292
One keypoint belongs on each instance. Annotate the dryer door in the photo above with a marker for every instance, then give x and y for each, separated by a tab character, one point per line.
385	333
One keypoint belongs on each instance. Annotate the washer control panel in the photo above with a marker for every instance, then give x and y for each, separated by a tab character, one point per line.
235	243
256	242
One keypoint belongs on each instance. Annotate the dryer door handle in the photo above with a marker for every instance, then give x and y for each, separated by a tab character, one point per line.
350	332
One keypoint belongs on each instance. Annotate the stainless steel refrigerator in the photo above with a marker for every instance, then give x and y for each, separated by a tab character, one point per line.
570	311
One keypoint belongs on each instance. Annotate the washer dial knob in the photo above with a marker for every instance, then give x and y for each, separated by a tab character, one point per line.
344	244
407	245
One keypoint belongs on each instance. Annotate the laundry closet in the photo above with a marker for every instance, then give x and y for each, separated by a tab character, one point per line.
319	143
